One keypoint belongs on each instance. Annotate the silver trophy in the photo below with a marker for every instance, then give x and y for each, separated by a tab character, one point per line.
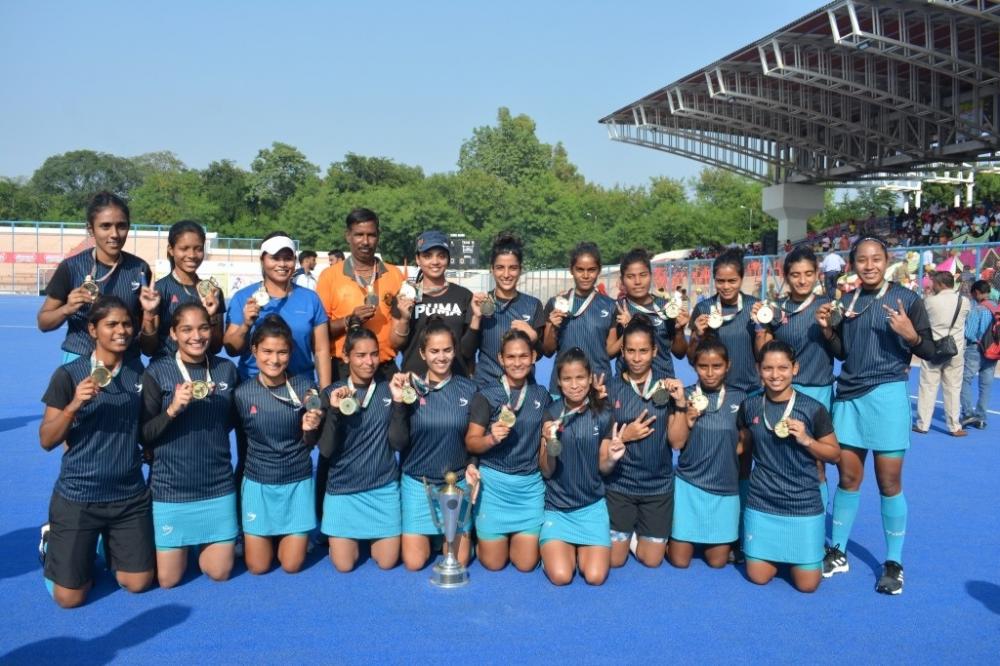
450	500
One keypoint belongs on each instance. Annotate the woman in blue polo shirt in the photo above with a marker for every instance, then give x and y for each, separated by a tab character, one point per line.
187	415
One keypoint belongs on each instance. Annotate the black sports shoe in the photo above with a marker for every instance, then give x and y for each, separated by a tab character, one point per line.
43	544
891	581
835	561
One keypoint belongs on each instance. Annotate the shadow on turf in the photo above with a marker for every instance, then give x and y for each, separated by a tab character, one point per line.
988	594
15	422
20	549
105	648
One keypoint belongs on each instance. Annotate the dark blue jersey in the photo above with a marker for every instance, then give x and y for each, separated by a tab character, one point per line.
173	294
874	354
518	452
664	329
103	462
522	307
272	421
438	423
123	282
588	331
576	480
191	453
302	311
800	330
362	458
738	336
708	461
647	468
784	480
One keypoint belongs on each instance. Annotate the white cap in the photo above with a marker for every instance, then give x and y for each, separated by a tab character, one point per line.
273	246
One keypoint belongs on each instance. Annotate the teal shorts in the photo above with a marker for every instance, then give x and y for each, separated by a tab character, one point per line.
277	509
509	504
586	526
796	540
878	420
185	524
417	510
69	357
371	514
703	517
821	394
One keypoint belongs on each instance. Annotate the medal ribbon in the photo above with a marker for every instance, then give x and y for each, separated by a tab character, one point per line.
850	313
94	363
520	398
802	306
571	294
424	386
492	293
564	415
368	394
718	405
648	389
729	317
785	415
187	376
293	397
93	271
656	312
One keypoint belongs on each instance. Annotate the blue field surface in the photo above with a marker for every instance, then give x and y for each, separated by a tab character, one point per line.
949	612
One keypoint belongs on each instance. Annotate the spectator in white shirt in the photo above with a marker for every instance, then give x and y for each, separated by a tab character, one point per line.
832	266
304	276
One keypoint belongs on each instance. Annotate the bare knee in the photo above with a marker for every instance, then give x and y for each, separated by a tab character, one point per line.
595	575
559	575
69	598
218	571
760	576
717	562
292	565
258	567
651	560
525	564
679	560
136	582
386	561
169	579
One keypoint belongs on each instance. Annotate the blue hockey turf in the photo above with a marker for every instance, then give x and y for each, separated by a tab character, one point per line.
950	611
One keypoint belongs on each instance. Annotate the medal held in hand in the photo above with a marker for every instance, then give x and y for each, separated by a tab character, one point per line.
562	304
836	315
781	428
409	394
700	401
91	287
488	307
206	287
261	296
348	405
715	319
371	298
672	309
312	400
660	395
100	374
507	417
200	389
765	314
408	291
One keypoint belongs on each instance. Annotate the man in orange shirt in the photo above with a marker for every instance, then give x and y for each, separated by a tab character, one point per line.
362	287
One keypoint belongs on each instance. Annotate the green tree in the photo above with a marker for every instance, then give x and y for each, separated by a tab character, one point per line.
162	161
166	197
226	186
510	150
356	172
275	174
70	179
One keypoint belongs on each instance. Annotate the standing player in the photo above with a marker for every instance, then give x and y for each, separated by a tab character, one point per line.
669	318
505	427
281	416
186	252
786	432
92	406
362	491
106	270
706	490
430	438
640	487
581	317
512	308
187	415
882	326
578	444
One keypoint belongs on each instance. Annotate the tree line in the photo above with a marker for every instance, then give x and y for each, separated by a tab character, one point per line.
506	178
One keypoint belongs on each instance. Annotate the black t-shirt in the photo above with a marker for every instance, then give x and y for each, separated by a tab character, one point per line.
454	306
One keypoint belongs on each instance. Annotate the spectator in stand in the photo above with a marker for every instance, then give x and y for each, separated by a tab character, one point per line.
947	312
832	267
980	319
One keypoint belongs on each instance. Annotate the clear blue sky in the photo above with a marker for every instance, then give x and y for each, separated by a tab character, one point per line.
406	80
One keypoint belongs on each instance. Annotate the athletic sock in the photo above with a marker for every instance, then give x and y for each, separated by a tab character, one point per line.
845	509
51	587
894	513
824	495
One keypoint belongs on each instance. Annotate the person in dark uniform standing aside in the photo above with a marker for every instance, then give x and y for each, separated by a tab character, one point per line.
106	270
92	405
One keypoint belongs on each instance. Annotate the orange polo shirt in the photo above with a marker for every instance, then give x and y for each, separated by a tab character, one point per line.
341	293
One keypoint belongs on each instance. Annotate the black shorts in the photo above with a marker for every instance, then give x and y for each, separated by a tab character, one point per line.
127	527
649	516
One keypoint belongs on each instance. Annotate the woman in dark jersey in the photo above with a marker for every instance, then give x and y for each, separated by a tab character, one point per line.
92	406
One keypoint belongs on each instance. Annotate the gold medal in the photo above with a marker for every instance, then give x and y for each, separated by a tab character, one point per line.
409	394
700	401
91	287
312	400
200	389
101	375
371	298
781	428
765	315
836	315
348	405
206	287
507	417
488	307
261	296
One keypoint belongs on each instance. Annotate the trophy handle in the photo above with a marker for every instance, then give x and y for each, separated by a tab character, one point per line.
463	514
430	503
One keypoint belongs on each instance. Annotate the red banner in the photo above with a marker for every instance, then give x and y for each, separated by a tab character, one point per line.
30	258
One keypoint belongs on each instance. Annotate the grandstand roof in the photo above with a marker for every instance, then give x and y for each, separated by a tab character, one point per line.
855	90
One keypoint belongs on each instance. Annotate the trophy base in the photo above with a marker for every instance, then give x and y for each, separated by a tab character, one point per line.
449	576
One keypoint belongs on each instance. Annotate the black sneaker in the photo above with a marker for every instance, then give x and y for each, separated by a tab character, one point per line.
835	561
43	544
891	581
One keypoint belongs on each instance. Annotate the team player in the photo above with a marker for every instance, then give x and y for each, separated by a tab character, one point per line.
875	334
362	491
581	317
106	270
706	490
430	437
669	318
92	405
186	252
512	308
640	487
786	432
187	415
795	323
505	427
281	415
579	442
433	296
